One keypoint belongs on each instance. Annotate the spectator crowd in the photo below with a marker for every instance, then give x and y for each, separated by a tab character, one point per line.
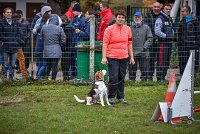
56	38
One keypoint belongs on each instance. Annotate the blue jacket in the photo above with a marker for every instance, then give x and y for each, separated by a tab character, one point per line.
77	23
37	16
86	33
26	33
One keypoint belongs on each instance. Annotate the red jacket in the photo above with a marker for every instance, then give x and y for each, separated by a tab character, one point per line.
69	13
105	16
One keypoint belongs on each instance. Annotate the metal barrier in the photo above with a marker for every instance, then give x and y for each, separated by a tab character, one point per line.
67	64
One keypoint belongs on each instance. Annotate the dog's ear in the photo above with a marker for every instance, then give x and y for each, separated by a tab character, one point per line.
97	75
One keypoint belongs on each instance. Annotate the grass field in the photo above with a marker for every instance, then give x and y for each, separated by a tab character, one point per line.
49	108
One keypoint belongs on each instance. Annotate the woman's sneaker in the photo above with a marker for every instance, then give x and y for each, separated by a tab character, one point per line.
123	101
111	101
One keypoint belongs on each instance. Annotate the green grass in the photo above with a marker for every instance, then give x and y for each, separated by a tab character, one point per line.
49	107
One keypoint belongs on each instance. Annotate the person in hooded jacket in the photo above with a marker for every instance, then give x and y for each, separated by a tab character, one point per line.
53	37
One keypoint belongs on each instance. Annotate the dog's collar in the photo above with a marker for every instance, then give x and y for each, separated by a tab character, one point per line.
98	80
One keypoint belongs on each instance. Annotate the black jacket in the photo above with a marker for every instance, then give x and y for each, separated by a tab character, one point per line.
189	33
10	35
150	19
168	26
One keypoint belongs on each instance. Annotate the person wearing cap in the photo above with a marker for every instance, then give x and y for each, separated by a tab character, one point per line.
150	19
69	12
105	16
164	30
142	40
78	23
117	52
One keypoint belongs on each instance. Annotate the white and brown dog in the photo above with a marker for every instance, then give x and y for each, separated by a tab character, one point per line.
99	90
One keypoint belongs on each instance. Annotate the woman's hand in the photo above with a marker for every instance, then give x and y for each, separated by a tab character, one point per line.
132	61
104	61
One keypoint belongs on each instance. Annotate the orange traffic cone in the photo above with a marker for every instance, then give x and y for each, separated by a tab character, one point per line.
171	91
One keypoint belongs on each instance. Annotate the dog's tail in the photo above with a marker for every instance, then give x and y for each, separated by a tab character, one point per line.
79	100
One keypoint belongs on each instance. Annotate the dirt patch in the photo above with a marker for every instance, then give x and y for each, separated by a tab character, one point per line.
11	102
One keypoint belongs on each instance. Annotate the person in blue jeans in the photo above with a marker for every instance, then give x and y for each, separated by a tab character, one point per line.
10	36
53	37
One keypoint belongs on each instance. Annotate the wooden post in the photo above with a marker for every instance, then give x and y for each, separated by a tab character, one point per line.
92	46
32	55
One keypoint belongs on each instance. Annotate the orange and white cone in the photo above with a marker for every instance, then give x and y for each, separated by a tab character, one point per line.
171	91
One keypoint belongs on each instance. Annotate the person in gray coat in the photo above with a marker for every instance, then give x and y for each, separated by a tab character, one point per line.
142	39
53	37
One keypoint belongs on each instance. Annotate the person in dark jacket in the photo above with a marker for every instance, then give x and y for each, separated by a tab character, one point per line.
66	50
150	19
20	56
188	39
85	35
26	30
164	30
10	36
78	22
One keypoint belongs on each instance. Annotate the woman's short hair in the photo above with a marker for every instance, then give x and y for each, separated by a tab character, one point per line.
120	12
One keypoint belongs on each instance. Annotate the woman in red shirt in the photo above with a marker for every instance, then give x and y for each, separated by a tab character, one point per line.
117	49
